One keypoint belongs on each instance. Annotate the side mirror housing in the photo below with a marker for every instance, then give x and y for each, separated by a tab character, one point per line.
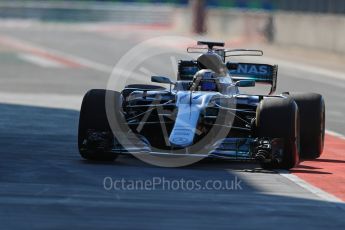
245	83
161	79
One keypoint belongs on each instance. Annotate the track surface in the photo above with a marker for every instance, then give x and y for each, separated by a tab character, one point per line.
45	184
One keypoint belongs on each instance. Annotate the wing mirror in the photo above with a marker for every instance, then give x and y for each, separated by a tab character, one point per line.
245	83
161	79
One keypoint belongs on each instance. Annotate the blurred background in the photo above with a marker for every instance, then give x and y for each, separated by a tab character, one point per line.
307	23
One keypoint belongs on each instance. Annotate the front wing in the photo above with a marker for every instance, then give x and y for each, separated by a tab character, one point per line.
242	149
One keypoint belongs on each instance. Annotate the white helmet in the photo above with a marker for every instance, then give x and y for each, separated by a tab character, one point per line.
205	80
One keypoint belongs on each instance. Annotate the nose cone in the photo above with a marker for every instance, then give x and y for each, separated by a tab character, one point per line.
186	121
189	110
181	137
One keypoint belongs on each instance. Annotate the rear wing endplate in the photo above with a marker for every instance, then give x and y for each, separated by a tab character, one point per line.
260	73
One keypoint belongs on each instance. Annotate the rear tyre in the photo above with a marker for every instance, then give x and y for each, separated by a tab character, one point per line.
93	117
279	118
311	108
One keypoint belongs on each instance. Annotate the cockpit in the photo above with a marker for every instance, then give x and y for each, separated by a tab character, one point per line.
205	80
208	80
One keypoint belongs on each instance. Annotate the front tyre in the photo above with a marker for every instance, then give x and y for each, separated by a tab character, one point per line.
279	118
93	118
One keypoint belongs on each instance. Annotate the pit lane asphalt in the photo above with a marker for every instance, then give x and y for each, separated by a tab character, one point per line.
45	184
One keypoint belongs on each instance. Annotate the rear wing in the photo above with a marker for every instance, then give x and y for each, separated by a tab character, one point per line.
260	73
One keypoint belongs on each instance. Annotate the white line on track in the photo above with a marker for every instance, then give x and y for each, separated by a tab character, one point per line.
72	102
40	61
107	69
332	133
302	183
25	45
311	188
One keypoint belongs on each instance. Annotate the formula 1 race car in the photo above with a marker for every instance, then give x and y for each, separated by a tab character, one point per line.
204	114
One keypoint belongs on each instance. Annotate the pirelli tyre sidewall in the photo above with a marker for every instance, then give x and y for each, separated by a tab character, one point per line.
278	117
311	108
93	117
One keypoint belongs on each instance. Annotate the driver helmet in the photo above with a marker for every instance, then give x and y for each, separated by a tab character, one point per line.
205	80
213	62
